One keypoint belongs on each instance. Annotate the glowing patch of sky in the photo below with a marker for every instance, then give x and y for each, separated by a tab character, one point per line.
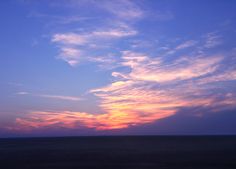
95	66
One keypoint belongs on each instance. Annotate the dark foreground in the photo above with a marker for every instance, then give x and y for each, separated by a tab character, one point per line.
137	152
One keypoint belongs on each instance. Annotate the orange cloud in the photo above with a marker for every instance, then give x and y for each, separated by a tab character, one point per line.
149	92
112	120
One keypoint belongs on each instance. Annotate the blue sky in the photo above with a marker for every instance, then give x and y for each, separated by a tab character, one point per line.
117	67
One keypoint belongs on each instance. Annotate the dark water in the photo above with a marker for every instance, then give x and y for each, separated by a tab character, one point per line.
137	152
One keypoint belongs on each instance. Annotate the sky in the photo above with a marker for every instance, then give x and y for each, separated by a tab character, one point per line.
117	67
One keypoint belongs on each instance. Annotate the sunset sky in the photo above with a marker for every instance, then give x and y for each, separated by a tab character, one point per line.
117	67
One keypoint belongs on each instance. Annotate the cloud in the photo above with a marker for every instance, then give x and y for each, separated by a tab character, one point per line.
135	90
107	62
186	44
114	33
60	97
70	55
146	69
212	40
67	119
183	45
69	98
221	77
72	45
116	24
124	9
83	39
150	91
69	38
22	93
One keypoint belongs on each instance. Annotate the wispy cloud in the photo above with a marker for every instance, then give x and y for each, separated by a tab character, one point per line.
70	98
114	33
70	55
146	69
69	38
22	93
181	46
213	39
186	44
73	44
60	97
118	26
123	9
83	39
229	75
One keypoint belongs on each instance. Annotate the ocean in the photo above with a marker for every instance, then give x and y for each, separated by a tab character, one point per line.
119	152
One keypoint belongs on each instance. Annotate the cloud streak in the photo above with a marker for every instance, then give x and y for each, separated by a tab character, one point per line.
69	98
58	97
186	44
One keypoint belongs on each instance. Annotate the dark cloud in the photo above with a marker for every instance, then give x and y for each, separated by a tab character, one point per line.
191	121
